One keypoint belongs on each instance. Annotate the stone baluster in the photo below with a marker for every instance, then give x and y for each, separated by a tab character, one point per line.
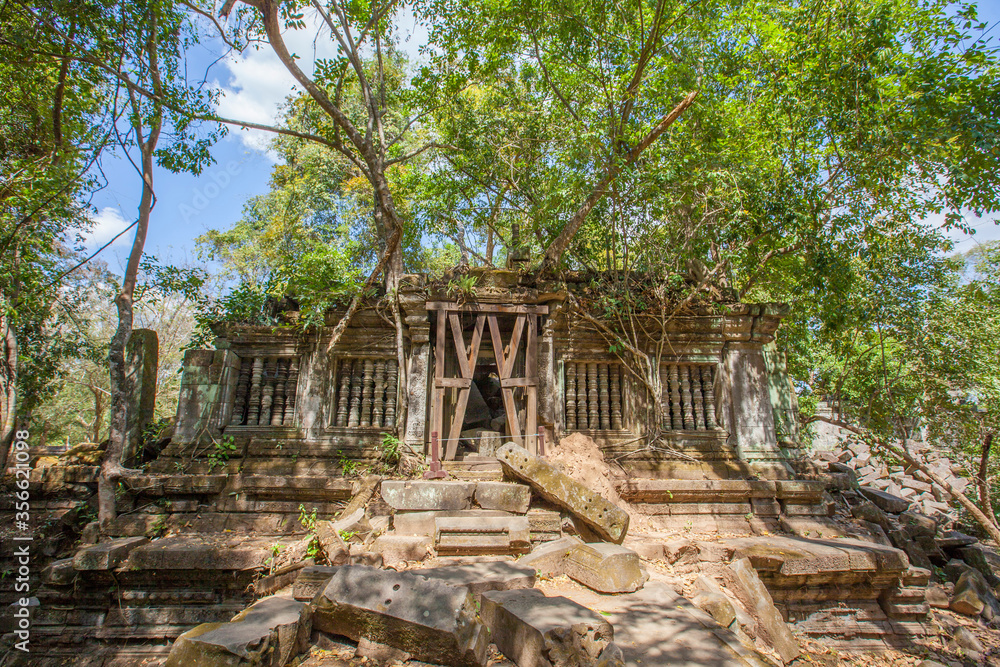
267	390
687	400
291	391
699	400
344	394
593	407
354	416
253	411
379	406
581	397
616	397
570	396
676	416
391	379
604	402
242	389
366	396
278	405
708	389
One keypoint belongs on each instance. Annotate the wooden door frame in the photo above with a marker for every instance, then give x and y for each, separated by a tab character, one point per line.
447	317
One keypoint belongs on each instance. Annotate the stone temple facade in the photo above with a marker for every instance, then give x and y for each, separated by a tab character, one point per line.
509	362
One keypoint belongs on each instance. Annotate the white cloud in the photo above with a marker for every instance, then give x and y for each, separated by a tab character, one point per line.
259	83
107	223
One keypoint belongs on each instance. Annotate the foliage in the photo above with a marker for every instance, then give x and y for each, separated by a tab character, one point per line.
221	451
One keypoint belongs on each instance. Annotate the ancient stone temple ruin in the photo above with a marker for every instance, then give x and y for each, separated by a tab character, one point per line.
531	431
510	363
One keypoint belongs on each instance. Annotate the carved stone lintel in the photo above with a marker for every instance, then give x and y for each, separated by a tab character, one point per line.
616	396
570	396
603	392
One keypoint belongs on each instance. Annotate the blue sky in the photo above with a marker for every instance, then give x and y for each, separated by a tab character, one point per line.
254	85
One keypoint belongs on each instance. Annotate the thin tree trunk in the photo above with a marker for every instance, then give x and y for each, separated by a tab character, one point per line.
984	485
900	452
556	249
9	382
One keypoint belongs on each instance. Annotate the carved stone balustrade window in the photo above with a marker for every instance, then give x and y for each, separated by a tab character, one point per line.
595	396
688	396
366	393
265	391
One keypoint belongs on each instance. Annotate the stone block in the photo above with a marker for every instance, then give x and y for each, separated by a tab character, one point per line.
742	579
533	630
336	549
973	555
269	633
380	653
106	555
481	577
415	496
206	552
59	573
401	548
917	525
467	536
953	539
937	597
606	519
311	581
423	523
973	596
710	598
433	621
503	496
887	502
547	559
605	568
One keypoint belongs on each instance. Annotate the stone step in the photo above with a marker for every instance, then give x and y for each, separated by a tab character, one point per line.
475	536
667	491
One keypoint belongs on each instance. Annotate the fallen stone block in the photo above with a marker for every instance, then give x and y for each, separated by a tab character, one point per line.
467	536
269	633
106	555
953	539
401	548
605	568
547	559
937	596
538	631
710	598
973	555
481	577
742	579
503	496
431	620
606	519
887	502
311	581
415	496
973	596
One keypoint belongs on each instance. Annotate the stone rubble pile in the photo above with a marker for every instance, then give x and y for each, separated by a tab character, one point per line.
904	482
